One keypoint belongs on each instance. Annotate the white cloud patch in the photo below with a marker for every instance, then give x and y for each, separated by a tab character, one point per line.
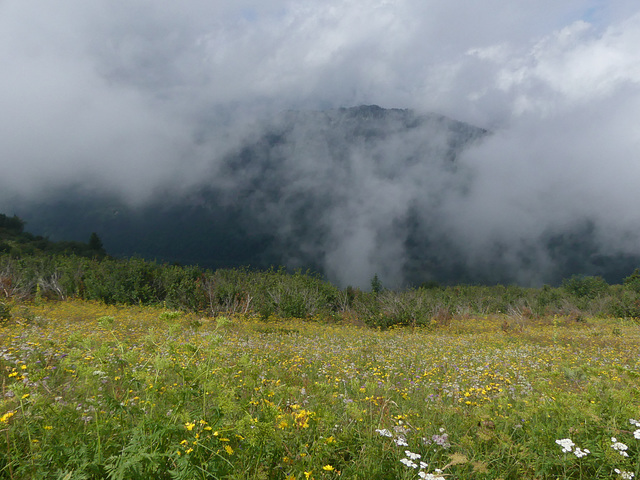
132	95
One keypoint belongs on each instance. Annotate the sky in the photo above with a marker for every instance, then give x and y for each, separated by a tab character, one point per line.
129	96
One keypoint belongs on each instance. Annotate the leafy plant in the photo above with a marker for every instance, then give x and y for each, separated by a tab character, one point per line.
585	286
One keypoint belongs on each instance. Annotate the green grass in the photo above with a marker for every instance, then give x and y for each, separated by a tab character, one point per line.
95	391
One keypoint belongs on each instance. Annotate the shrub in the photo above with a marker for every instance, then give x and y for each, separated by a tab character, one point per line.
127	282
632	282
585	287
626	305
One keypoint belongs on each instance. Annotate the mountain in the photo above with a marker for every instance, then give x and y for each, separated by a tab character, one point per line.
349	192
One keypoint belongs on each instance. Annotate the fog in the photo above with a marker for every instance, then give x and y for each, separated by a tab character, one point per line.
133	98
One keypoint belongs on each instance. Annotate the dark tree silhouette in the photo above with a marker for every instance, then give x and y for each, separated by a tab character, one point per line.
95	243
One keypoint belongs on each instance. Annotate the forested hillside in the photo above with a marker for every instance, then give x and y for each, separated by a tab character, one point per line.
16	242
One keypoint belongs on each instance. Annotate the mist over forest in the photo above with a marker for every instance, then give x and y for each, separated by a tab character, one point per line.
419	141
350	193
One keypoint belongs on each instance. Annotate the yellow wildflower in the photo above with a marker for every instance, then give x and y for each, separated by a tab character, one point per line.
5	418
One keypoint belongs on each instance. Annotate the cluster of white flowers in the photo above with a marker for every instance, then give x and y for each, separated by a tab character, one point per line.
581	453
431	476
400	440
384	432
410	462
624	474
413	456
568	446
620	447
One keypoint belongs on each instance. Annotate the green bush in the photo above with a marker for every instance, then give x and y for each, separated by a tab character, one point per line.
547	300
632	282
585	287
128	282
182	287
625	305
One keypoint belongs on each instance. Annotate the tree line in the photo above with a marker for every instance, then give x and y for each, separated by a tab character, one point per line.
18	243
33	268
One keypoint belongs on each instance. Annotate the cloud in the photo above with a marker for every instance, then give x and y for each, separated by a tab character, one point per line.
138	96
567	153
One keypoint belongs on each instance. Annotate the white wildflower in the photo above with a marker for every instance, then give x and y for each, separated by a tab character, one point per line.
566	444
581	453
408	463
401	442
620	447
412	456
430	476
384	432
624	474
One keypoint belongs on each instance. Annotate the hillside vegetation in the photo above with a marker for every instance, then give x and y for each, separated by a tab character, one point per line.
35	268
18	243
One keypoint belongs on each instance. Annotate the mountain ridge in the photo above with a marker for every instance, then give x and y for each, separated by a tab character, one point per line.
348	192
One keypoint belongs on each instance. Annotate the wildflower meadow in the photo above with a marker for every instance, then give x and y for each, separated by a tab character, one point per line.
93	391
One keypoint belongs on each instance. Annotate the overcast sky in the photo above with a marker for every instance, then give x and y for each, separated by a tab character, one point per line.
123	93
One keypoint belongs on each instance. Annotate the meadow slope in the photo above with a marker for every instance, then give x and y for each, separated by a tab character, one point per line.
96	391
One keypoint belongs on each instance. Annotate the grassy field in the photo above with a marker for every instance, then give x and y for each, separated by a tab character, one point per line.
95	391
